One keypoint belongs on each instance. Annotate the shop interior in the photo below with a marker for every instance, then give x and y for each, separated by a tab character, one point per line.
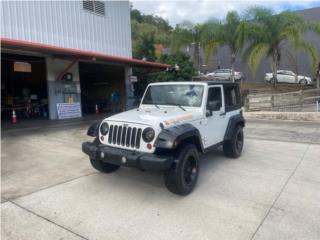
23	87
102	86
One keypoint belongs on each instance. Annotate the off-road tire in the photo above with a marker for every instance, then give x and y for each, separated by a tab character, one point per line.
102	166
233	147
182	177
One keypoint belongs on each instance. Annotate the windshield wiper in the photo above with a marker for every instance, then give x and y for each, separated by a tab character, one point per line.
179	106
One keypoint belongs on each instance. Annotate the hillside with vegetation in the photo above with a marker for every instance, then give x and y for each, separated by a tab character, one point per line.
150	36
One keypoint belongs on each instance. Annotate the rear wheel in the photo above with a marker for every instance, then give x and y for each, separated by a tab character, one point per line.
233	147
182	177
102	166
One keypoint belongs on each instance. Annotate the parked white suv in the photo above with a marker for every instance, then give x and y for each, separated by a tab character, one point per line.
225	74
284	76
174	124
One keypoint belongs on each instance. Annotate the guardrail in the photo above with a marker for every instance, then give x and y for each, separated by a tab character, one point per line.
299	101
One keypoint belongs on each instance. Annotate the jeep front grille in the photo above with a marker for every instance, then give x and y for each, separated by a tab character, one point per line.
125	136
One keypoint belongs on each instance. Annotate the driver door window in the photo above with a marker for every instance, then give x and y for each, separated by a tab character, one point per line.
214	98
215	117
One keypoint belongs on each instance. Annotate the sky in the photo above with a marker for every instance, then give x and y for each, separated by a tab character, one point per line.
197	11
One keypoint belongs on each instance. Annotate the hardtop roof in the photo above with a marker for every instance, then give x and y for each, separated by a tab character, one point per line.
210	83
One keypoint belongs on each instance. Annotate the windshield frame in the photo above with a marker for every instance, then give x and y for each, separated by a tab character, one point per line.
174	83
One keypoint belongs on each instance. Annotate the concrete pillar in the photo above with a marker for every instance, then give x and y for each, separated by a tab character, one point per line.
58	91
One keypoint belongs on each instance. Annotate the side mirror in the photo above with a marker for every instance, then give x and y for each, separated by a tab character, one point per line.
212	106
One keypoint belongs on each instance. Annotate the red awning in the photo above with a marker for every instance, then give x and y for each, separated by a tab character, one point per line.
75	53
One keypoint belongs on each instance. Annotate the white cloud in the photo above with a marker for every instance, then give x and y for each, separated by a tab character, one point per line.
202	10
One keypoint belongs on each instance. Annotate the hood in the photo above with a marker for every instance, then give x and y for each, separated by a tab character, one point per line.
302	76
153	116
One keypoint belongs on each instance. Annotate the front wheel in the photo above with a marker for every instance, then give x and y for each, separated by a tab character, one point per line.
233	147
102	166
303	82
182	177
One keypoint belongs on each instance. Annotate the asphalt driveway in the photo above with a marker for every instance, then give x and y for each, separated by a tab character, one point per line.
50	191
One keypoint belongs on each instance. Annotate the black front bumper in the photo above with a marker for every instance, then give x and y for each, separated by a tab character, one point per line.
144	161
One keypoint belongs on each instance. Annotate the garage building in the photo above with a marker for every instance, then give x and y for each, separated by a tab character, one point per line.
62	59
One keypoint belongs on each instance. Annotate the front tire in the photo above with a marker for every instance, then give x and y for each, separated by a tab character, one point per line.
102	166
303	82
181	179
233	147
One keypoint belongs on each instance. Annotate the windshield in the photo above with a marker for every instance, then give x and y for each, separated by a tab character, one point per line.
179	95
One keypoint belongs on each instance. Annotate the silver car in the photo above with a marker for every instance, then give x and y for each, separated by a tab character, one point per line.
285	76
225	74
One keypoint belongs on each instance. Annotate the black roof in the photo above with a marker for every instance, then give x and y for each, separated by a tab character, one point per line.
226	83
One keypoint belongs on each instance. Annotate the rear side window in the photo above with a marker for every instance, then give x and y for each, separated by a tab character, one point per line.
232	97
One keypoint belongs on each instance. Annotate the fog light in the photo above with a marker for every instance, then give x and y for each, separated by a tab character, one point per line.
123	160
102	155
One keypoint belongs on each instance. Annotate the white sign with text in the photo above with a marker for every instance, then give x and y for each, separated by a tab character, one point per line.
68	110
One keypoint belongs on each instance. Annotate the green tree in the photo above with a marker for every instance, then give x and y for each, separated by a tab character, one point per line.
228	33
143	47
187	34
184	73
267	33
147	29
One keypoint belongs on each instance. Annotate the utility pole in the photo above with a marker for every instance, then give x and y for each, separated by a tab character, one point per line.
233	59
199	59
318	76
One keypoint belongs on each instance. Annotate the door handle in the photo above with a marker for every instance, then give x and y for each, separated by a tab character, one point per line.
223	114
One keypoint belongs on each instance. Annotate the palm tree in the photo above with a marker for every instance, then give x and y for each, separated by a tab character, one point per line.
267	34
228	33
185	35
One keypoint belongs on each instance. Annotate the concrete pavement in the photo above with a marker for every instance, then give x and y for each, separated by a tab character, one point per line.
50	191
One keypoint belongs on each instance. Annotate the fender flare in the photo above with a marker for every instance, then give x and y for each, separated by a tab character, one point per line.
93	130
170	138
233	122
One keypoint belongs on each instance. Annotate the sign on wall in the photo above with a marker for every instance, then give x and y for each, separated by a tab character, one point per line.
133	79
68	110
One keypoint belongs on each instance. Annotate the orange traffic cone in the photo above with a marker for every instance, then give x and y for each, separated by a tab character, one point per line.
97	109
13	117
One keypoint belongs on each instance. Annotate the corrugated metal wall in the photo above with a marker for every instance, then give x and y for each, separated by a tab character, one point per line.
67	24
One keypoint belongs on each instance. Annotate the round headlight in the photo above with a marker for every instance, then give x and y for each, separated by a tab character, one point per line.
104	128
148	134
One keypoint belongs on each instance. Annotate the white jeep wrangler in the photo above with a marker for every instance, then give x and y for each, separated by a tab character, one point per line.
174	124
